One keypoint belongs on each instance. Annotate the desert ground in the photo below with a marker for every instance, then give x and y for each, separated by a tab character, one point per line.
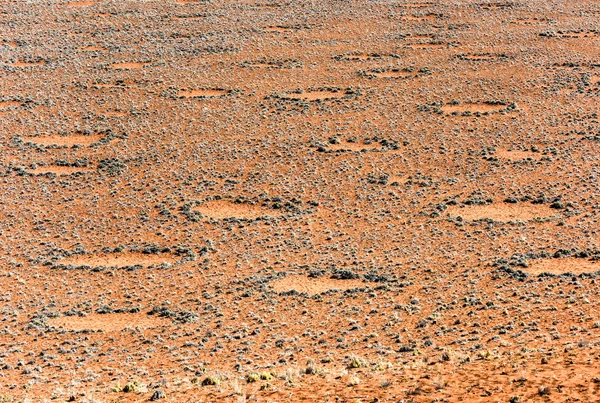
299	201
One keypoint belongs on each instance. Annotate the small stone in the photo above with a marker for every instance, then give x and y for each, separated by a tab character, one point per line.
158	394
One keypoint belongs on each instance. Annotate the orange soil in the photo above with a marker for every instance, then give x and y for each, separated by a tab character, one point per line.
314	286
71	140
503	212
118	260
559	266
437	309
219	209
112	322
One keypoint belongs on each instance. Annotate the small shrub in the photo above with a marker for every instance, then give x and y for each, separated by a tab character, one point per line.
358	362
251	378
386	383
266	376
312	368
211	381
131	387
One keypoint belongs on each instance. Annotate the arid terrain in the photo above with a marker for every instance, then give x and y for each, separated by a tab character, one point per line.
286	201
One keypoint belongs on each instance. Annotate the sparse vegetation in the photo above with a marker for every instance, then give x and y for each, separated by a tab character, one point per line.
259	200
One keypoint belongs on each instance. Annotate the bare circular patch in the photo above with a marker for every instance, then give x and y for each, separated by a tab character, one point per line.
93	48
80	3
203	93
127	66
261	65
58	170
415	5
428	45
315	95
280	28
502	212
22	63
393	74
72	140
481	57
570	265
110	322
9	104
426	17
128	259
475	108
517	155
313	286
114	114
348	146
480	107
362	56
220	209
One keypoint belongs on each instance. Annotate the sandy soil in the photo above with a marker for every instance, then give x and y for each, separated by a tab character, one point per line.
472	107
315	95
517	155
560	266
202	93
259	201
75	139
503	212
312	286
219	209
114	322
58	170
126	66
117	260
